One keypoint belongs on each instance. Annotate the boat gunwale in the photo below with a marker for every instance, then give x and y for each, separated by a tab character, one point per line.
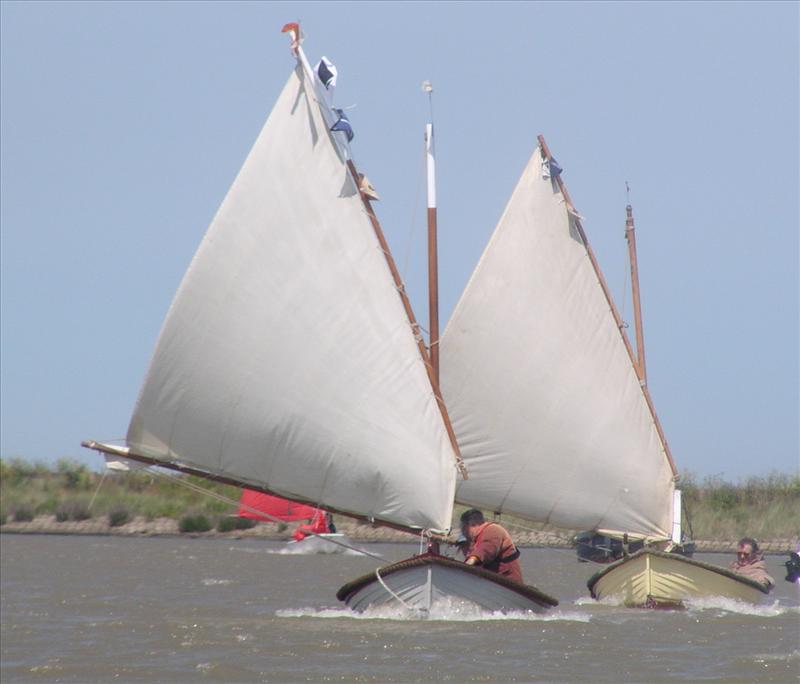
526	590
725	572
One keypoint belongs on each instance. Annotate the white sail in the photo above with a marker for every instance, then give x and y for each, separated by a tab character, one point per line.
551	419
287	361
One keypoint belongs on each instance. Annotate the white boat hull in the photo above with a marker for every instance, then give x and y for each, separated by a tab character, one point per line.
654	579
320	543
419	582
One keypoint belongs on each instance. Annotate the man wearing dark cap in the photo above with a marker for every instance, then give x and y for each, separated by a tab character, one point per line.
490	546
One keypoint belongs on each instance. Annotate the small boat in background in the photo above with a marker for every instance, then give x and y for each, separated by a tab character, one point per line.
602	548
268	508
316	535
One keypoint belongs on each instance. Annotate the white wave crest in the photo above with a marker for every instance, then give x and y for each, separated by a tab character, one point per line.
722	604
442	610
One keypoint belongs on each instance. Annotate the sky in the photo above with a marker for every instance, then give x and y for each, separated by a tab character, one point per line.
122	126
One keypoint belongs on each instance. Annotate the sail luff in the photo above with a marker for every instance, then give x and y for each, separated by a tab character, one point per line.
592	258
615	312
548	408
401	291
428	358
630	236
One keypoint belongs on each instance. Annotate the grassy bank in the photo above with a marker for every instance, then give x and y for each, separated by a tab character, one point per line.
71	491
763	507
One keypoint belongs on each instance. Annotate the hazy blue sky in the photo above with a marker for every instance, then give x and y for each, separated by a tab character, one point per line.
123	125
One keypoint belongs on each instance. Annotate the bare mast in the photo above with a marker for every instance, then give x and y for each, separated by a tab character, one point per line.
433	257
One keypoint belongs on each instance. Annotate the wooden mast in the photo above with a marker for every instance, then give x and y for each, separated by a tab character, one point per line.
607	292
401	290
433	259
630	236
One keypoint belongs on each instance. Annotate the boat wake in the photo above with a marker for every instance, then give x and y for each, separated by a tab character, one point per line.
298	550
766	658
720	604
727	605
609	601
293	550
445	610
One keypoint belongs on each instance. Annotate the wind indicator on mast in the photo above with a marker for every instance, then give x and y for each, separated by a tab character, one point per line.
433	273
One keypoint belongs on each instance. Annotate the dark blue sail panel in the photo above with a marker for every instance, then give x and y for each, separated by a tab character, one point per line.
343	124
326	73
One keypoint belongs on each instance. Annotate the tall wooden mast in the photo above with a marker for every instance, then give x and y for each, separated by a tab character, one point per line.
630	236
433	258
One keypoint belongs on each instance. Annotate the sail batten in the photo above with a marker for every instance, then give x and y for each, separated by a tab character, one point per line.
286	361
551	418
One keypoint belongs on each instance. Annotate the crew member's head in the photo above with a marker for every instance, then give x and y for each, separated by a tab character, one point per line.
470	521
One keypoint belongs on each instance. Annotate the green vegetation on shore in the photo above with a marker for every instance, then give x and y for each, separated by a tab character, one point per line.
71	491
762	507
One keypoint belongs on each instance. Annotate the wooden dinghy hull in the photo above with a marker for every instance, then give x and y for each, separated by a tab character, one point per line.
420	581
654	579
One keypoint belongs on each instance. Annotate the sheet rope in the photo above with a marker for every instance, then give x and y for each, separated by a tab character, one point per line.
386	587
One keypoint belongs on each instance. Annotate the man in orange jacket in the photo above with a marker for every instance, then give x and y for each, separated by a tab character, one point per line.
490	546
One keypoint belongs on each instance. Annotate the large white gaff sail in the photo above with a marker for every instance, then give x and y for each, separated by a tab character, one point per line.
287	361
550	417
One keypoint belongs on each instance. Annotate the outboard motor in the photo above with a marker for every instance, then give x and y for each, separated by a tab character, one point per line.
793	568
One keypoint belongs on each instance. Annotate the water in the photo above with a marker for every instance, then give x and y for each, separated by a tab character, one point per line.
104	609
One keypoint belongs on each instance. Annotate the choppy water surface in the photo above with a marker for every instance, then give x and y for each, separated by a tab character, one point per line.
102	609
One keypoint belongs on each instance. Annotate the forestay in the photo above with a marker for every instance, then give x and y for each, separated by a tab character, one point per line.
549	413
287	361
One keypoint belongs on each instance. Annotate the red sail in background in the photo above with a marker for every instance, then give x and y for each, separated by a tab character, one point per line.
274	506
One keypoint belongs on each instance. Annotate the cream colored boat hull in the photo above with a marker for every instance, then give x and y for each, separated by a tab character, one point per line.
656	579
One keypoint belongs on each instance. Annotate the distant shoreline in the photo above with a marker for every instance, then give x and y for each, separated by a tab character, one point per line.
168	527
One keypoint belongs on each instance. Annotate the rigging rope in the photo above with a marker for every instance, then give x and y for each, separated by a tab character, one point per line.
97	491
385	586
